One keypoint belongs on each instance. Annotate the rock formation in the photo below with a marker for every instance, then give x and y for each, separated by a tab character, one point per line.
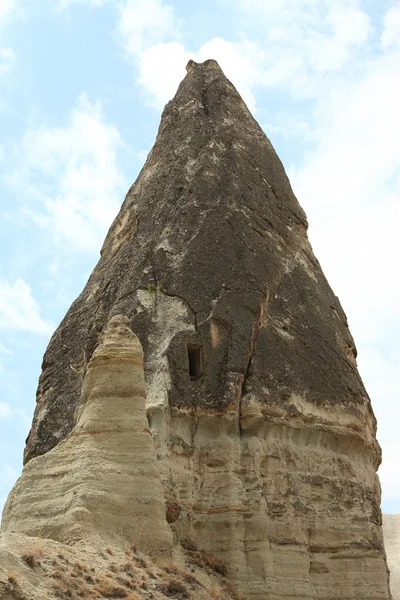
391	534
101	482
264	433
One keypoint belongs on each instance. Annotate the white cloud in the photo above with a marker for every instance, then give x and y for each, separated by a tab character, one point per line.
305	40
162	67
302	42
4	350
5	410
390	481
63	4
19	310
289	126
7	55
347	29
7	58
241	62
149	34
141	24
6	8
391	27
144	31
350	184
71	177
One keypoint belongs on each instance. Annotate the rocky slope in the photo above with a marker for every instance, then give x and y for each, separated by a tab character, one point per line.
263	431
33	568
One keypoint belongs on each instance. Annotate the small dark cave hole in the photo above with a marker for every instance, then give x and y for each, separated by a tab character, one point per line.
195	356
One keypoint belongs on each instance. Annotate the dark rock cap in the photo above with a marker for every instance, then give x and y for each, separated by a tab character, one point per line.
209	258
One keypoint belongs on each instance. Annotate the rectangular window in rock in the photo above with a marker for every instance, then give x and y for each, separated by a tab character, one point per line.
195	355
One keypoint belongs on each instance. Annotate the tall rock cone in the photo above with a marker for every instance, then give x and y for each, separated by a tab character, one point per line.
263	429
101	483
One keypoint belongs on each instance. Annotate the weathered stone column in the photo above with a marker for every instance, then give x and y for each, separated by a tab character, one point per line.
101	482
265	434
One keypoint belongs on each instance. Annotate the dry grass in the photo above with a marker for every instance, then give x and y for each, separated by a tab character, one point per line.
12	586
108	588
120	573
140	562
129	569
76	583
82	590
188	544
174	589
61	591
213	563
57	585
31	556
204	560
215	592
129	583
56	575
62	556
190	579
169	568
12	579
230	588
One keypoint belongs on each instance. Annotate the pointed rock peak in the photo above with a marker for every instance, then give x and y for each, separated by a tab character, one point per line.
207	64
264	432
117	333
118	326
201	75
206	87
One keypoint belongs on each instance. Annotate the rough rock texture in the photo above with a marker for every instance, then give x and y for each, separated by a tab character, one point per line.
102	482
391	534
264	431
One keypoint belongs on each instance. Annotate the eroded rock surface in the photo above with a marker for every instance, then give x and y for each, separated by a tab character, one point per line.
391	532
101	483
264	432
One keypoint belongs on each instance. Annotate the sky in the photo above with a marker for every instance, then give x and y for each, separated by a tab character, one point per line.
82	87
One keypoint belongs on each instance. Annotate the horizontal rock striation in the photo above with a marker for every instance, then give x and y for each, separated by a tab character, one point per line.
101	484
391	533
264	432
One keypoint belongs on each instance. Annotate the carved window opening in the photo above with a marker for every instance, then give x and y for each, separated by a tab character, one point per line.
195	356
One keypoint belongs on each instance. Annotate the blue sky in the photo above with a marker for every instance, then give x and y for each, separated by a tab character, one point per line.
82	86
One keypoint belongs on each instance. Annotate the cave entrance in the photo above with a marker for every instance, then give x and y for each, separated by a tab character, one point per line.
195	356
